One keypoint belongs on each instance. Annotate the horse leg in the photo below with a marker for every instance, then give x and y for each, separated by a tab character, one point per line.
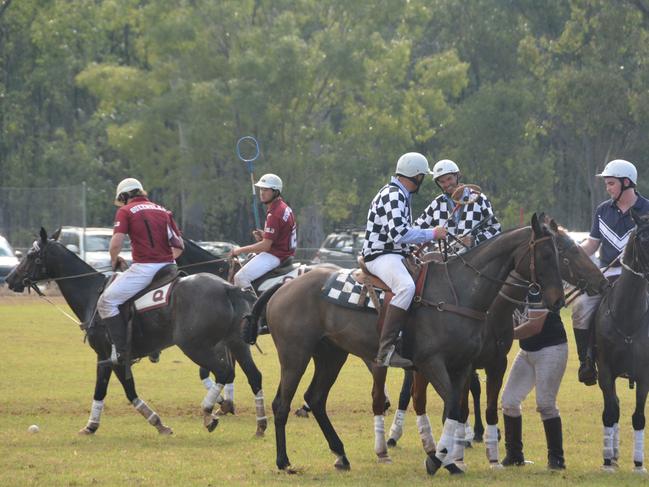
328	360
101	388
476	392
418	391
610	415
457	454
495	374
638	420
139	405
293	363
396	430
219	365
378	408
434	371
243	356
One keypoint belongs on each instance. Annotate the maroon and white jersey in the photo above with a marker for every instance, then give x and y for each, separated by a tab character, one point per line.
281	229
151	228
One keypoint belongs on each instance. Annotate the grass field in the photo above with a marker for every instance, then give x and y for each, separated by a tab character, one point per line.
47	378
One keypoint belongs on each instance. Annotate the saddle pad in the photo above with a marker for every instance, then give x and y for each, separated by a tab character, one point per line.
342	289
156	298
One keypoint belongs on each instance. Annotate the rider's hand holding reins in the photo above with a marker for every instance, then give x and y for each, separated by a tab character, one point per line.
258	235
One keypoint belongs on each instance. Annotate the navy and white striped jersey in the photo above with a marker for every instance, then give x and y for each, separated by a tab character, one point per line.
612	228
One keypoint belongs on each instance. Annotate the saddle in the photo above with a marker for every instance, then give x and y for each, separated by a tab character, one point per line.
284	268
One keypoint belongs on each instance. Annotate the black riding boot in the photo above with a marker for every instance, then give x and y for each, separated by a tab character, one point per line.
394	320
587	372
554	439
513	441
117	331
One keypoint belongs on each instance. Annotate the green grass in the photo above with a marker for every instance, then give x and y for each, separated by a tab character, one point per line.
47	378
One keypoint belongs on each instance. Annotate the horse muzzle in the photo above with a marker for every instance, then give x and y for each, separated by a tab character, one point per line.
14	283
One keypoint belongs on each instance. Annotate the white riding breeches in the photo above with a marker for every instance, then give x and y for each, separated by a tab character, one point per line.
391	270
126	285
259	265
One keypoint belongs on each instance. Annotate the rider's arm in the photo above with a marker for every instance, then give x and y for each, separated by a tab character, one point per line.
115	247
493	228
263	246
590	245
533	325
176	252
418	236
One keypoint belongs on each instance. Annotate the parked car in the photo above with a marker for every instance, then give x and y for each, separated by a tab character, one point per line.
341	248
8	259
94	248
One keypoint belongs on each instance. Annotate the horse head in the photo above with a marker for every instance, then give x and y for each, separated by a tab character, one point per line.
575	265
540	265
636	253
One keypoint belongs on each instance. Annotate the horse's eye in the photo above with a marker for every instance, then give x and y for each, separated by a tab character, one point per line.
37	260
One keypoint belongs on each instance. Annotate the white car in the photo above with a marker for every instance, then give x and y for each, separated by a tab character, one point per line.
8	259
94	247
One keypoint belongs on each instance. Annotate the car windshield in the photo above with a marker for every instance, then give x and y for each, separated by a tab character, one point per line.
101	243
5	250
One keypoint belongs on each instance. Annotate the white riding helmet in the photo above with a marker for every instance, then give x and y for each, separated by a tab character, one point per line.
619	168
126	185
444	167
271	181
412	164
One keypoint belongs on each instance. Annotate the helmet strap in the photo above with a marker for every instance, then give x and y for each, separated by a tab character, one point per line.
416	181
623	188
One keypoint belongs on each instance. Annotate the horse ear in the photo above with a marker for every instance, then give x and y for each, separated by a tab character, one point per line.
542	218
43	235
57	234
536	225
554	226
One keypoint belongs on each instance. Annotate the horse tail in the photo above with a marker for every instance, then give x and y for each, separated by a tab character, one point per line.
249	327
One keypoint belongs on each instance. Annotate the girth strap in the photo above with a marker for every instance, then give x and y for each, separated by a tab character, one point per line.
452	308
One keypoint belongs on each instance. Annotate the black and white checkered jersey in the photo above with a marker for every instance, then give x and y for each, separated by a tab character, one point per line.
388	220
466	218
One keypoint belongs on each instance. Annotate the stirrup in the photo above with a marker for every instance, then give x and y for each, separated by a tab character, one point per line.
114	359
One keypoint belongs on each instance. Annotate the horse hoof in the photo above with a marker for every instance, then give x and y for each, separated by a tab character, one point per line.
342	463
384	458
86	431
640	470
302	413
496	466
165	430
210	422
608	469
432	464
454	468
227	407
261	430
392	442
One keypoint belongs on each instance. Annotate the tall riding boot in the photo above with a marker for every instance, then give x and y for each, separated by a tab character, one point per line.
513	441
554	439
587	373
394	320
117	331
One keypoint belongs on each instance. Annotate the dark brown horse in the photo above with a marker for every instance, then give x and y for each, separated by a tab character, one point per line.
204	311
444	343
578	270
621	327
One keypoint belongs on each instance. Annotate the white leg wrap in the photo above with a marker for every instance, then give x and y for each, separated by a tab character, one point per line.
445	446
259	405
491	443
95	411
143	408
228	391
469	434
211	397
616	441
426	433
638	446
208	383
608	443
396	430
380	445
458	446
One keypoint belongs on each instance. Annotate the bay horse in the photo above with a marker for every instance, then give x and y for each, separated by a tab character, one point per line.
203	311
444	343
577	269
623	344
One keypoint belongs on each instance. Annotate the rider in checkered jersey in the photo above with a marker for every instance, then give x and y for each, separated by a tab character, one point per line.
442	210
388	236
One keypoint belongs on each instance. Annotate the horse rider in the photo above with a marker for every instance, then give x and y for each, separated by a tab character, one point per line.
389	233
612	224
541	363
460	220
155	243
278	240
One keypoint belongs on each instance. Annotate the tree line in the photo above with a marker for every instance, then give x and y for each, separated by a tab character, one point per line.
530	97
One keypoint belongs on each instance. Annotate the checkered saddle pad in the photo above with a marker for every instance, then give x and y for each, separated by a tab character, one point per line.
342	289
